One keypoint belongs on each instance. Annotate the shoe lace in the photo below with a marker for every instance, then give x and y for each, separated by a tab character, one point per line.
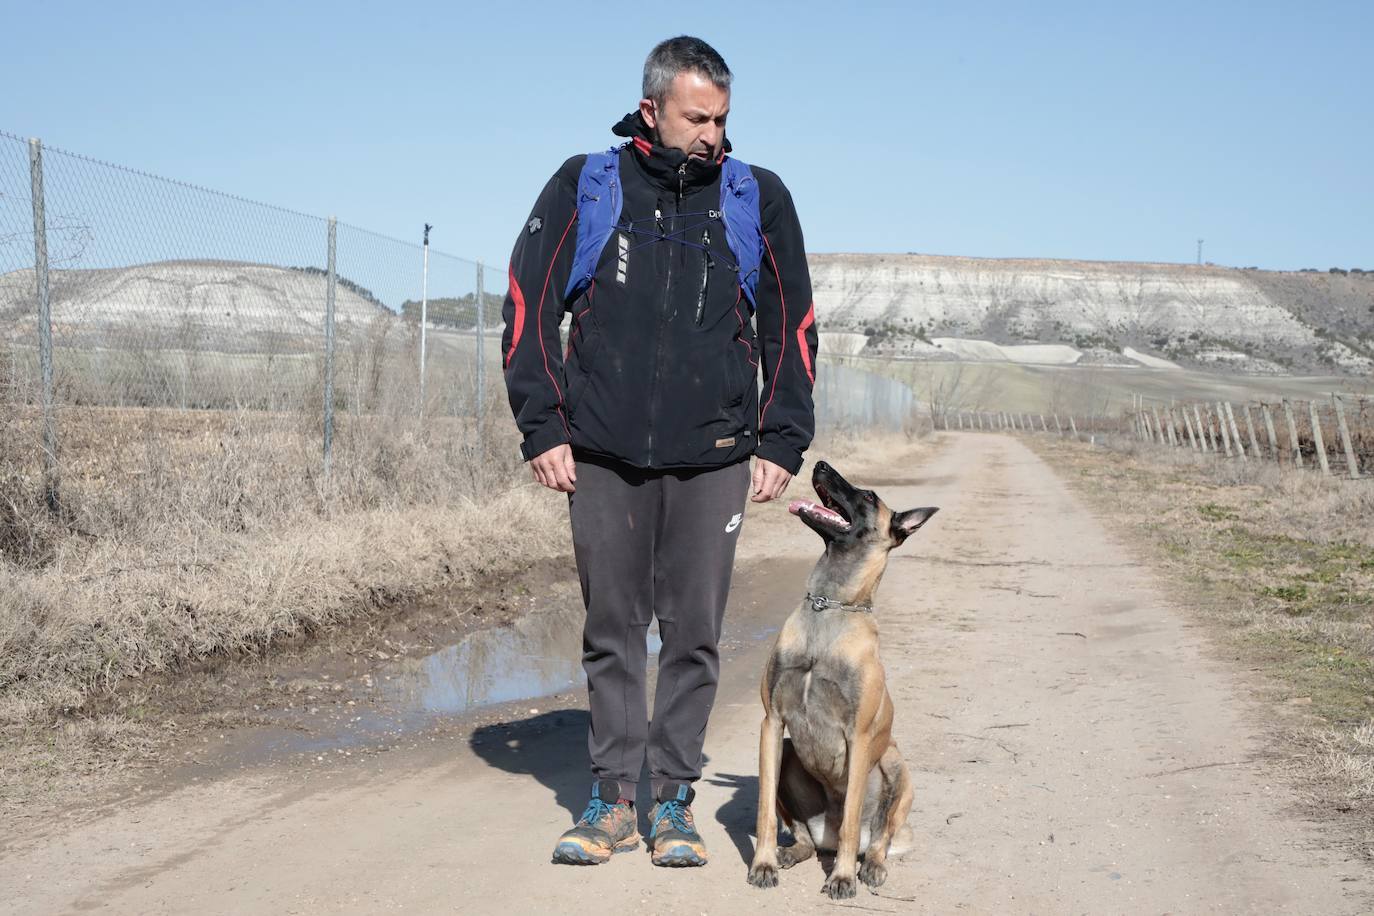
596	810
675	813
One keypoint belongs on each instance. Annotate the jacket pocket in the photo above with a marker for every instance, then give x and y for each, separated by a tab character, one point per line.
585	342
739	372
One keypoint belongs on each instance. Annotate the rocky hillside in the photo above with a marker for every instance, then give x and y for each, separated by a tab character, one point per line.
220	305
1210	317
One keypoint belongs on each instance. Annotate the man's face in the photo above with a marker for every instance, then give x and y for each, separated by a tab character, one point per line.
692	117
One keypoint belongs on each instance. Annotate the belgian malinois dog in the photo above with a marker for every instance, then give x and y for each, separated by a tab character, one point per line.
837	781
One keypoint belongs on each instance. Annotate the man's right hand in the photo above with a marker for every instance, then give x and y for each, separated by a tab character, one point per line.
555	469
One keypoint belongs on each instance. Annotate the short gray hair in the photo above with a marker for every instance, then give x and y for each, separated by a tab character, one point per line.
680	55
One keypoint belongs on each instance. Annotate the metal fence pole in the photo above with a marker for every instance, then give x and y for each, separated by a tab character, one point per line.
40	275
329	355
481	351
424	317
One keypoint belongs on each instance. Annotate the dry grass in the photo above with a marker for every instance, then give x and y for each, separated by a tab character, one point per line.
1283	561
186	535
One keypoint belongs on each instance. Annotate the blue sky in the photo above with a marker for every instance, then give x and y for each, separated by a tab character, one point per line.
1098	131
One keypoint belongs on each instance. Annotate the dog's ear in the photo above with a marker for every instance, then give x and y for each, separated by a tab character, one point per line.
904	524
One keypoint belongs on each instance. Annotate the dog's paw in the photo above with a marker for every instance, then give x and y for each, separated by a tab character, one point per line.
763	875
873	874
839	887
787	858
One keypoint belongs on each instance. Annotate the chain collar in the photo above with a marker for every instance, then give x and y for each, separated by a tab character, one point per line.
821	603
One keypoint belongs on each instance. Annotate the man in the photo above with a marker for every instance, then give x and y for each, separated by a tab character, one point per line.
648	420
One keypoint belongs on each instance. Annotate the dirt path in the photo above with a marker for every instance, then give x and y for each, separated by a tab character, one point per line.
1076	746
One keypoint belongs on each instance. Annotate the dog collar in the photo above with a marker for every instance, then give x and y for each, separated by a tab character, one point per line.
821	603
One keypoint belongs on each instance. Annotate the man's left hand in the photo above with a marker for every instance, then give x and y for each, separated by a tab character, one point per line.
770	481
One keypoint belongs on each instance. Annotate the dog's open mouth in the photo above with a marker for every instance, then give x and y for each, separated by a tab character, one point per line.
827	512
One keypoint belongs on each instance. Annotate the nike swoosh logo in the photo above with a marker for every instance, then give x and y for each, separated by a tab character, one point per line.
734	523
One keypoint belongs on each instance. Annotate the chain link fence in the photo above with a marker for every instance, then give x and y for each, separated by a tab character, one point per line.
156	336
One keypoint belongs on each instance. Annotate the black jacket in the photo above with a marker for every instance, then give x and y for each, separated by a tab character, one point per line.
661	365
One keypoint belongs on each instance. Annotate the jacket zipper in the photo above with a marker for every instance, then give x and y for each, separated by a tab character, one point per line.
664	316
705	276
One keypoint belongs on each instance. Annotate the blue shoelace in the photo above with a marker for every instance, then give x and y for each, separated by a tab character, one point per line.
675	812
596	810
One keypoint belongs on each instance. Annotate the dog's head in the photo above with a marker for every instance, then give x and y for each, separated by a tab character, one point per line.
849	517
858	529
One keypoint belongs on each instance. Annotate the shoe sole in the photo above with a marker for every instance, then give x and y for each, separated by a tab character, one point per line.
575	854
679	857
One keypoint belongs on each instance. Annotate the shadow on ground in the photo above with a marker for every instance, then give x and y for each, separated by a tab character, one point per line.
550	746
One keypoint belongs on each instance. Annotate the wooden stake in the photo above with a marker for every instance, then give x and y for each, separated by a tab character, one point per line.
1351	464
1317	439
1235	430
1292	434
1269	430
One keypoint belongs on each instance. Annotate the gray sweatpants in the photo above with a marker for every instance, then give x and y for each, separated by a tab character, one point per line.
653	543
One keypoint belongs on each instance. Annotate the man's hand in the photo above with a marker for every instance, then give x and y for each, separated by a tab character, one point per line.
770	481
555	469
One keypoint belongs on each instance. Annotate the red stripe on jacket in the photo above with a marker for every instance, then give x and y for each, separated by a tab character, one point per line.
809	320
519	296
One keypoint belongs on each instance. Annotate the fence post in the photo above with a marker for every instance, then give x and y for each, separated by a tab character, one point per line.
329	354
1188	425
1235	430
1292	434
481	351
1203	432
1269	430
1351	464
1317	439
1225	433
1073	426
40	276
1250	428
1175	436
1058	427
424	317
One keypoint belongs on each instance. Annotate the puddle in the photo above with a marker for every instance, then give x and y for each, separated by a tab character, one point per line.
538	655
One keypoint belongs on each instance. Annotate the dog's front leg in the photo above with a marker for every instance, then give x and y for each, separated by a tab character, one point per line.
764	871
841	884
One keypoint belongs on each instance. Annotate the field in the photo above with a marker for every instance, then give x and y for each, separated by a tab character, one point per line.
1102	391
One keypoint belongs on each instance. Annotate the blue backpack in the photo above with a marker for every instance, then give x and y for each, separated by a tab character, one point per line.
598	211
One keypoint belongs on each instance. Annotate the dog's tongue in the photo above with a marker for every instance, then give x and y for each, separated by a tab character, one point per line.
798	506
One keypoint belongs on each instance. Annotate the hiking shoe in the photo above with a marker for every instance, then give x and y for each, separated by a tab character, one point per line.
673	836
606	827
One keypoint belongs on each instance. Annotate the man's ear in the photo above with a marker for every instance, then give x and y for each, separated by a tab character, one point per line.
904	524
649	112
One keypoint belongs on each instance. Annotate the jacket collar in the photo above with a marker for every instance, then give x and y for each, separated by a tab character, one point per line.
665	167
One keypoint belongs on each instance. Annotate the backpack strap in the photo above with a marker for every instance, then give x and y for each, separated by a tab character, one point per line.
739	205
598	208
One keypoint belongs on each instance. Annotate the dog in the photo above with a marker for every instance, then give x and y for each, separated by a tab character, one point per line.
838	781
